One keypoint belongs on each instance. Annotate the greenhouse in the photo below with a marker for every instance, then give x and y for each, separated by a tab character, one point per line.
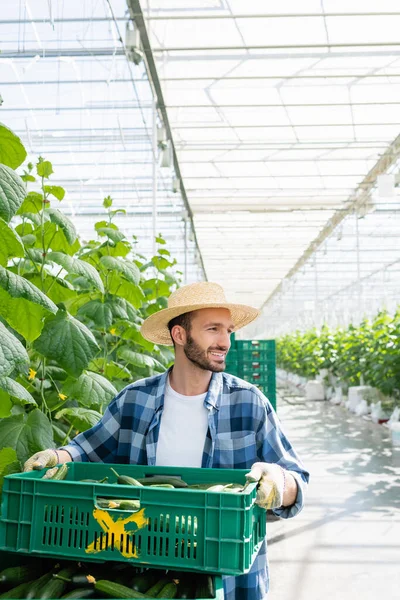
199	299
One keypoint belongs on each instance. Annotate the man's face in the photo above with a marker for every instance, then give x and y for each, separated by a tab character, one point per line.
208	341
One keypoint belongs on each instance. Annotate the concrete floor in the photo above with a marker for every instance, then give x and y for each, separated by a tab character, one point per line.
345	544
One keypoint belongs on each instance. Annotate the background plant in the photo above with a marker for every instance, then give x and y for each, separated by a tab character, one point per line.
70	311
367	353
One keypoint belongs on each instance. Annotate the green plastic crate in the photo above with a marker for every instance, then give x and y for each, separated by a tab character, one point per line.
256	355
268	345
12	559
256	366
175	528
260	378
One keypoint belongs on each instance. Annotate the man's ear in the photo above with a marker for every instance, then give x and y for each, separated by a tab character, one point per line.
178	334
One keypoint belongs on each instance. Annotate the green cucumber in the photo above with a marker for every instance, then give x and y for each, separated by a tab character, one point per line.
13	576
169	591
157	587
116	590
177	482
205	587
17	592
57	585
36	586
80	593
141	583
125	480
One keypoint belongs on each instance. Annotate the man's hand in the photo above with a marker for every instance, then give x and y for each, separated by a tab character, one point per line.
41	460
271	478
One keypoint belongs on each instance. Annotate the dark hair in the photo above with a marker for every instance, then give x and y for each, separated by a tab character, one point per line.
184	321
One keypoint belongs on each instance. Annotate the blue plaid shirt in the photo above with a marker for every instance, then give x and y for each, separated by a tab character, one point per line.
243	429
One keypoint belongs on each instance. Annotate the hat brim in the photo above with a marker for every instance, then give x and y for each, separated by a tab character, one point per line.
155	328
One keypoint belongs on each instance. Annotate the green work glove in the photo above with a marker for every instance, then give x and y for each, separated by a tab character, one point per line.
41	460
271	486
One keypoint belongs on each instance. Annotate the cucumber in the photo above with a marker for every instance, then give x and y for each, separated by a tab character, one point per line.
13	576
118	503
56	474
80	593
56	586
141	583
177	482
36	586
125	480
169	591
205	587
116	590
81	580
17	592
157	587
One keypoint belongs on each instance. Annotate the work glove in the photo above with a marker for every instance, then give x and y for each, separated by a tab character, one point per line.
271	484
41	460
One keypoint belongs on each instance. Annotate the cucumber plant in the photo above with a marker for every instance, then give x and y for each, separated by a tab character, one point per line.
70	311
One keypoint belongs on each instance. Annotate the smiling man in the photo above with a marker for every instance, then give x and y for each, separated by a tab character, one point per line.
195	415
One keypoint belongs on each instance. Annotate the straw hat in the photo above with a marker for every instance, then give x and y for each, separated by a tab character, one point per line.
194	297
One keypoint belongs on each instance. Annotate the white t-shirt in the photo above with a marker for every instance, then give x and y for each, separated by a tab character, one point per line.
183	430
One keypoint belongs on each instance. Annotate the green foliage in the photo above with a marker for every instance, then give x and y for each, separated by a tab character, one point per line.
70	312
369	351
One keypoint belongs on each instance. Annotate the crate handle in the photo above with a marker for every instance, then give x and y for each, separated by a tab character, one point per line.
116	503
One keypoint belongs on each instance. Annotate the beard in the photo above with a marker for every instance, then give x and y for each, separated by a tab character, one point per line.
197	356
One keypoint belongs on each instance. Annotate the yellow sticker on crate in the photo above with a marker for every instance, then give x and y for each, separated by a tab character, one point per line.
118	533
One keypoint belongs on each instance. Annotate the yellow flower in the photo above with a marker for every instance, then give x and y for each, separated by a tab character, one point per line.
62	396
32	374
113	331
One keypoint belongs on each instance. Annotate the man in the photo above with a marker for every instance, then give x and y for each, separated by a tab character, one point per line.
196	415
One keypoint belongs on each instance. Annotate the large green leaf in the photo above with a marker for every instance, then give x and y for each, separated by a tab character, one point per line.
54	238
154	288
12	353
12	192
113	369
23	305
57	217
124	289
67	341
19	287
120	249
44	168
32	204
55	190
128	269
135	336
10	243
17	391
139	360
26	434
121	308
80	418
12	151
8	464
113	234
99	312
79	267
5	404
57	289
90	388
74	304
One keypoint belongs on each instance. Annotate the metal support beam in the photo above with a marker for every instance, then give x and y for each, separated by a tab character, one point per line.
135	9
356	200
54	53
246	48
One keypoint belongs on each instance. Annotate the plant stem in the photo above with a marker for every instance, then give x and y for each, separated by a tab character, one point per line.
67	435
54	280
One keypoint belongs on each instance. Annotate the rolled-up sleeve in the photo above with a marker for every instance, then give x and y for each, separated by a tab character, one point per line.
100	442
273	446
